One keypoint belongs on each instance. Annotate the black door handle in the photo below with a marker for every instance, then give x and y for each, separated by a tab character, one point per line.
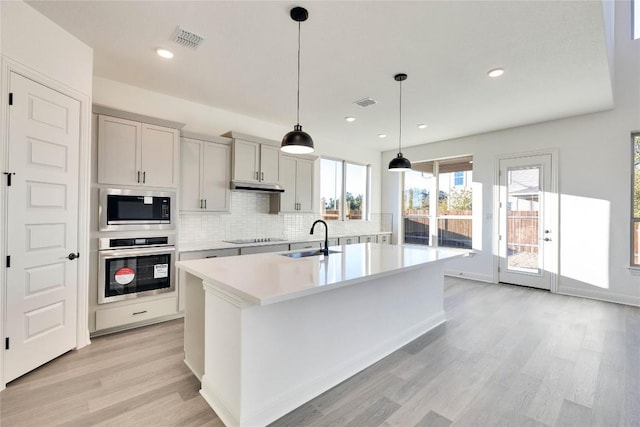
73	256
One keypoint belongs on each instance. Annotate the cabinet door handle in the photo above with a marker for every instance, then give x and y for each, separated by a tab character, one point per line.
205	203
138	177
140	312
262	179
200	203
257	176
144	177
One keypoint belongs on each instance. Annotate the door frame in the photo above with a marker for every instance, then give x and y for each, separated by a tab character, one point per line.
553	221
9	66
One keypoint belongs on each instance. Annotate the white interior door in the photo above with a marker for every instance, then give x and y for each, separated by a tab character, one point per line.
42	226
527	230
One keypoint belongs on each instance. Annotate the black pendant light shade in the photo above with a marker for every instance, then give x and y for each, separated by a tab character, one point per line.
297	141
400	163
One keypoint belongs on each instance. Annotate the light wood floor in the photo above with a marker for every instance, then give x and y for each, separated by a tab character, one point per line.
507	356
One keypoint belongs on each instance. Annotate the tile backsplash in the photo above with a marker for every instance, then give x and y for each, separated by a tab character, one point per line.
250	218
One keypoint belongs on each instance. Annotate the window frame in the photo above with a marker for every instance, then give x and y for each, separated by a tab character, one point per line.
635	139
435	213
366	202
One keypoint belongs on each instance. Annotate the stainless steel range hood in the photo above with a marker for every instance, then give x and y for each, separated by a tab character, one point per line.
256	186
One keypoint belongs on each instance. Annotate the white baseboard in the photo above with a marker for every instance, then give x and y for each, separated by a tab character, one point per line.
601	296
285	403
196	373
469	275
218	407
137	325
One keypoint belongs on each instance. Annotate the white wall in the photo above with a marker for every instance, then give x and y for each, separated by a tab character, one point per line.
34	41
208	120
594	183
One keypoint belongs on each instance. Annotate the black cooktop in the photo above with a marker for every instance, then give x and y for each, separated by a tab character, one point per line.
257	240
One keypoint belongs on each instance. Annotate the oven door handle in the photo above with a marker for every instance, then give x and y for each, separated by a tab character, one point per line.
119	253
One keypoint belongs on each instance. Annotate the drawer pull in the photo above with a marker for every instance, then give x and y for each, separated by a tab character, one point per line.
212	256
140	312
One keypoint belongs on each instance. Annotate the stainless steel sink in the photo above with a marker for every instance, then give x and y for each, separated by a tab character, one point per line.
304	254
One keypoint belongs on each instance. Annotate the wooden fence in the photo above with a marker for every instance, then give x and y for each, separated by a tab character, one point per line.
457	232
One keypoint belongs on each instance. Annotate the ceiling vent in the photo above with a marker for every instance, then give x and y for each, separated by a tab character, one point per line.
186	38
365	102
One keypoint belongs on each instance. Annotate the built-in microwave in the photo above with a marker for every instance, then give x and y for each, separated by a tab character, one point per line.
136	210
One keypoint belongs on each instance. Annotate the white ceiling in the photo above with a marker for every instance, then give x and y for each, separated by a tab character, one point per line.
553	52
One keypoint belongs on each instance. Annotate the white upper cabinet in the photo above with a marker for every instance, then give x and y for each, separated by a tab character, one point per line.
136	153
255	162
205	175
296	177
246	161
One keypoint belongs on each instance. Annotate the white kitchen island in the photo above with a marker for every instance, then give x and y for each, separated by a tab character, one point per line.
270	332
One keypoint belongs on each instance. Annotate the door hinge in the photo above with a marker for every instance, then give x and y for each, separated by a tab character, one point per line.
8	261
6	343
10	98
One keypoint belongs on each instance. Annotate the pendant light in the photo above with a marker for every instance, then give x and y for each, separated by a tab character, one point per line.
400	163
297	141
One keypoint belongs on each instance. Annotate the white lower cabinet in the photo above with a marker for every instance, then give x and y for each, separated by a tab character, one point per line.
208	253
384	238
107	318
186	256
349	240
306	245
264	249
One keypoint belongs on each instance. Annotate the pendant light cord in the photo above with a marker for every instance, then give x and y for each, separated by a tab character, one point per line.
400	138
298	107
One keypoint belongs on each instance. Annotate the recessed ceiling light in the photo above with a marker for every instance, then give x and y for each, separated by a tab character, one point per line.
350	119
382	135
164	53
422	126
496	72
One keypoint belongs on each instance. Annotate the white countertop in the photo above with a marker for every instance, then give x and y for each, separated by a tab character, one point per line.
269	278
200	246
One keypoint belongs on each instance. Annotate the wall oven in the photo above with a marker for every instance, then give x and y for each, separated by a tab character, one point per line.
131	267
134	209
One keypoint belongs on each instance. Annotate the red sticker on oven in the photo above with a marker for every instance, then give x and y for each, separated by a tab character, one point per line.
125	275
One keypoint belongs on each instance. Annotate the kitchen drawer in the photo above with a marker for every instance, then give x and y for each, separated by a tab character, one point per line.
263	249
348	240
333	241
306	245
210	253
368	239
117	316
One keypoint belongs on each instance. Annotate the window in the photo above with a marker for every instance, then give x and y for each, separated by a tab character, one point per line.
438	192
636	19
635	214
350	204
458	178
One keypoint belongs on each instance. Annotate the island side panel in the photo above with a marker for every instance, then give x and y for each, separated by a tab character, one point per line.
193	323
221	384
295	350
